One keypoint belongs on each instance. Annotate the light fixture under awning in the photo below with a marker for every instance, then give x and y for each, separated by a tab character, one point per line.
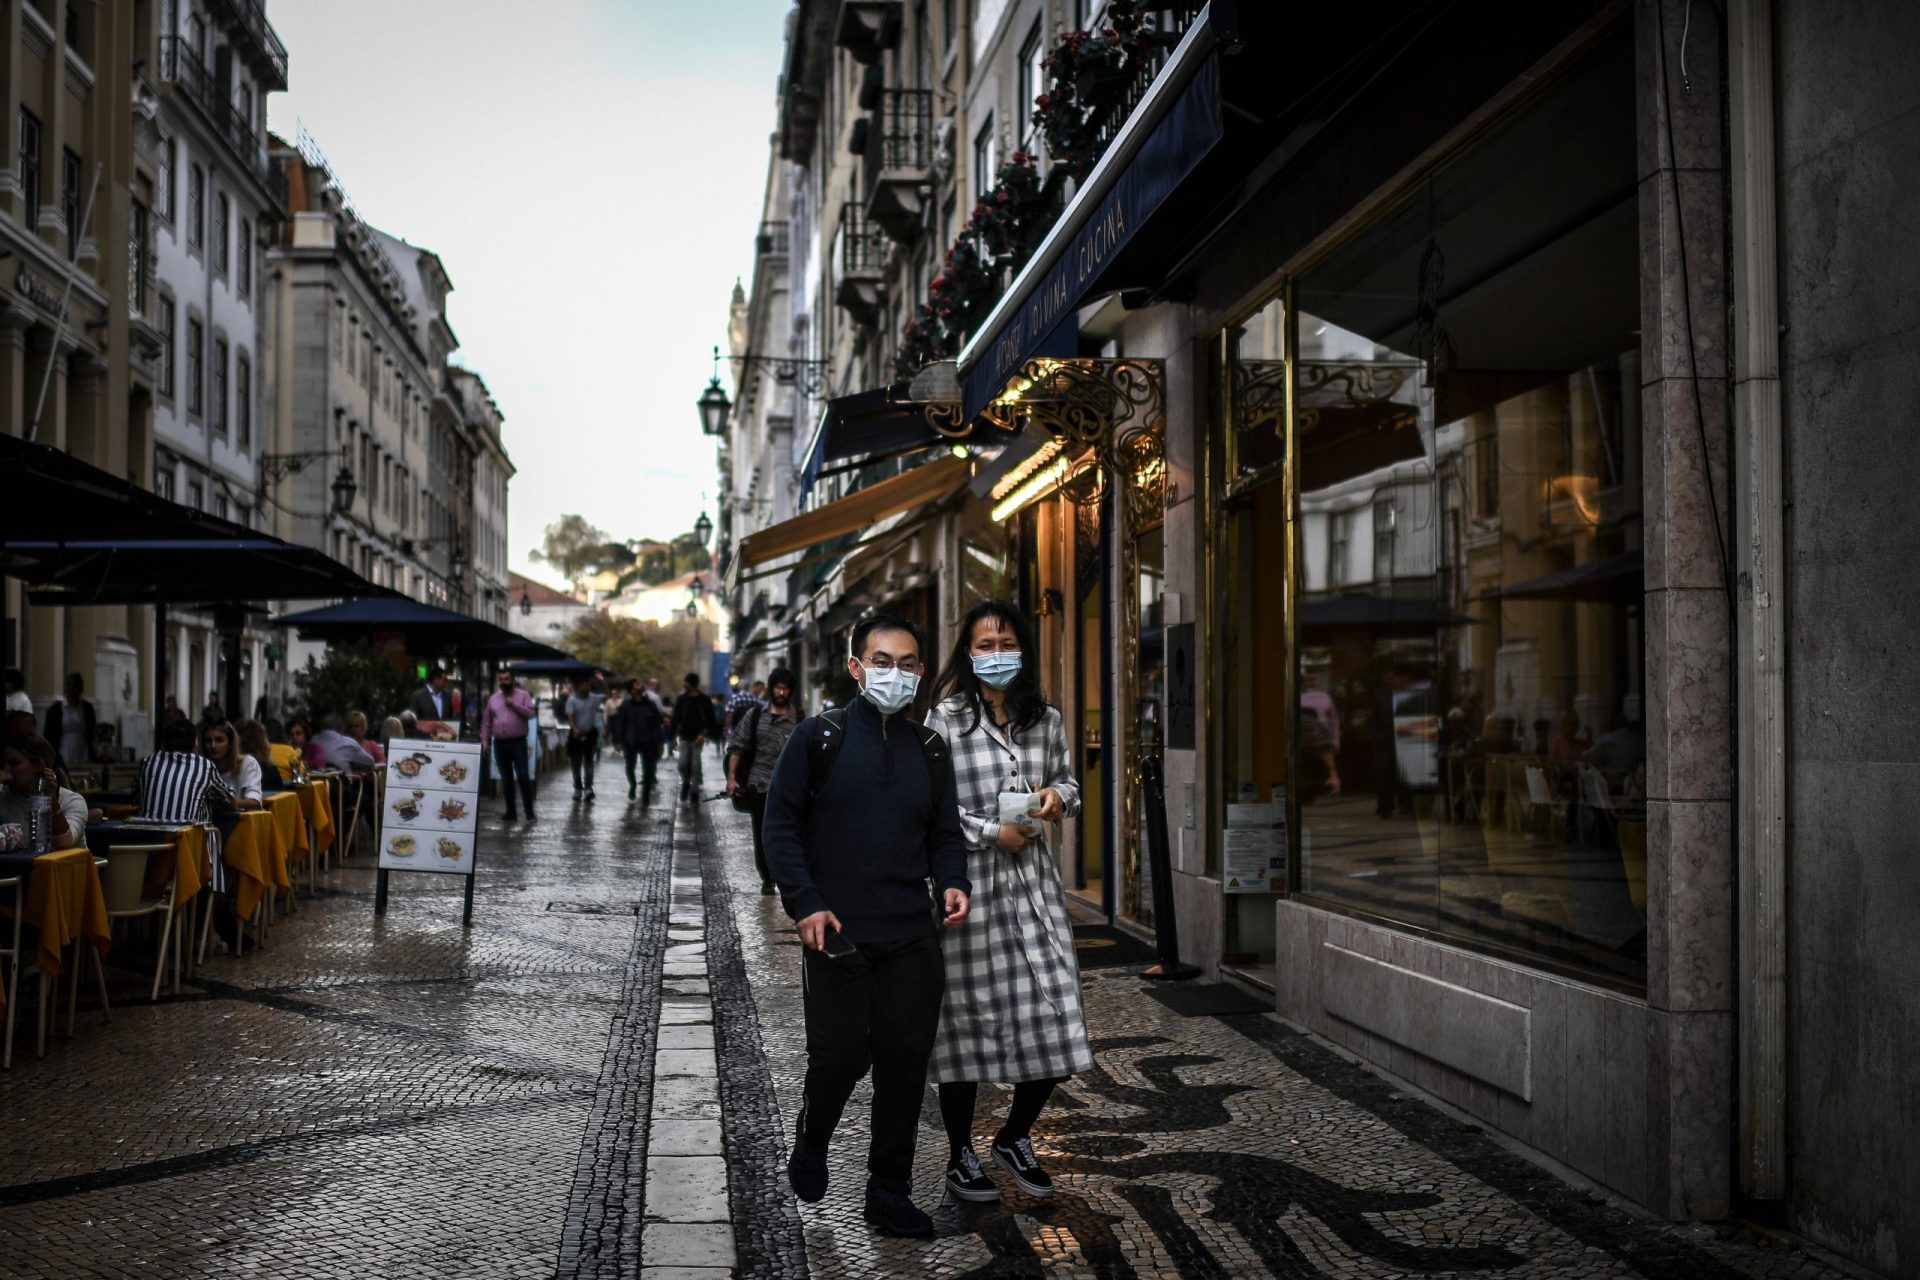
929	483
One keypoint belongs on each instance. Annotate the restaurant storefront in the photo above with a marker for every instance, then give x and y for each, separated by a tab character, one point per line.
1385	602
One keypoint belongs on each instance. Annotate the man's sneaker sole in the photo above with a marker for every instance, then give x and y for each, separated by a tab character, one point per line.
986	1195
1033	1189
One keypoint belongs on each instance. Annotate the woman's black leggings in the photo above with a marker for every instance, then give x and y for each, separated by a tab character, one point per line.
957	1100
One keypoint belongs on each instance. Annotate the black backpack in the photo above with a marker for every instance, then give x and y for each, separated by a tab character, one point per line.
826	732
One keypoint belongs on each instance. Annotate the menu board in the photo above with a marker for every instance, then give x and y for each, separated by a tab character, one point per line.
431	812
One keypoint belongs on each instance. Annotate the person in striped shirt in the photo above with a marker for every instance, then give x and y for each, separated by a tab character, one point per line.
178	785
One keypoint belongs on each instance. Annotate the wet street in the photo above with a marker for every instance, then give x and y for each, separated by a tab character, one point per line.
600	1078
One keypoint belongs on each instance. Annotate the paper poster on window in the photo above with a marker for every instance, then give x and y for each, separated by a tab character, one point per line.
430	814
1255	859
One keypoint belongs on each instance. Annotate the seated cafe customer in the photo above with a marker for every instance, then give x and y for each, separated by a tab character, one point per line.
220	744
331	748
178	785
286	756
254	743
27	763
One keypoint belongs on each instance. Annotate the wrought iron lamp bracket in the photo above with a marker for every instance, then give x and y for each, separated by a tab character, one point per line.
809	375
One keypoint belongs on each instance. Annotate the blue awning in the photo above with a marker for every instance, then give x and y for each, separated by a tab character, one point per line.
1168	134
866	422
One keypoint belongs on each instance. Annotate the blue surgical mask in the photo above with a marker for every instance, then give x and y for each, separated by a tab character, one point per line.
997	670
889	688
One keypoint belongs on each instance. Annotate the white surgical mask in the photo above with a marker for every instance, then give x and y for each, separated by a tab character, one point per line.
889	688
997	670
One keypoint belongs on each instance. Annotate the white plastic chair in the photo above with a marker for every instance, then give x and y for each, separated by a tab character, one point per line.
125	884
80	949
11	954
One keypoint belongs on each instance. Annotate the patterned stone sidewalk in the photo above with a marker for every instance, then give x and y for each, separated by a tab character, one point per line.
604	1071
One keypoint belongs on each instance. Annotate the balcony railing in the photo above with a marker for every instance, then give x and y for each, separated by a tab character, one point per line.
859	247
772	240
253	17
906	129
1172	21
183	68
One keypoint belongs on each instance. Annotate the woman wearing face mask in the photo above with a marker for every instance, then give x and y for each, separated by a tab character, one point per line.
1013	1013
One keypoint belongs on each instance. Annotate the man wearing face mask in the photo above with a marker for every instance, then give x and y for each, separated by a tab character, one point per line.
862	831
759	734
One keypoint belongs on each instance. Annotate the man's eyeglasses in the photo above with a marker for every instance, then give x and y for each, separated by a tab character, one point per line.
909	665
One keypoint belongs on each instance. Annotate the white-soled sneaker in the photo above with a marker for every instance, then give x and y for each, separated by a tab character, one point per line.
1017	1158
967	1180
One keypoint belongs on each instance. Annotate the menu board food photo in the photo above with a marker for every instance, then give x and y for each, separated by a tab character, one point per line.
432	806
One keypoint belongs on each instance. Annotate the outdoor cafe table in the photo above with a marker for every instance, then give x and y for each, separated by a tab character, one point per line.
190	866
317	803
289	821
62	898
253	850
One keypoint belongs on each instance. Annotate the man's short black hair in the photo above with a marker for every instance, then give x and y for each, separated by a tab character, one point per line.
16	678
883	622
692	681
438	673
177	735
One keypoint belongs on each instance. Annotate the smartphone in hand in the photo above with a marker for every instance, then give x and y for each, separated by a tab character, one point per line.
836	946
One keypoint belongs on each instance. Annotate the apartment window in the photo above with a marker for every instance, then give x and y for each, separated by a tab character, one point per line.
220	385
985	160
167	350
246	105
196	206
196	366
221	507
221	211
163	479
353	343
243	398
197	36
169	154
949	22
245	250
30	166
1032	82
339	330
1383	529
70	199
196	496
139	266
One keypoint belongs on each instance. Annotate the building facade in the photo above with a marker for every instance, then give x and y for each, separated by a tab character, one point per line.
1395	452
361	387
79	341
219	199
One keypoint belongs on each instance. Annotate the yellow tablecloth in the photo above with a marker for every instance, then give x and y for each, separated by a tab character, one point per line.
317	803
285	808
191	867
65	900
255	854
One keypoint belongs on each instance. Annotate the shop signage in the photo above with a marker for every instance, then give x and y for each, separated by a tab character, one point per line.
1040	319
1254	847
37	291
429	819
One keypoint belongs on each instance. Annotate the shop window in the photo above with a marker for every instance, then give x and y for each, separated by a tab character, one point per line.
1470	706
30	168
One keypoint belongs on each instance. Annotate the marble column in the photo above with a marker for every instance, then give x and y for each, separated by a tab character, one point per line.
1683	354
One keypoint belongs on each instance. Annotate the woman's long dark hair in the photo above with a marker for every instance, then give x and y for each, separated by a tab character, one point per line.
1025	704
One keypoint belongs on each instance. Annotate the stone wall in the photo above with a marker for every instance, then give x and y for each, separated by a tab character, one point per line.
1848	113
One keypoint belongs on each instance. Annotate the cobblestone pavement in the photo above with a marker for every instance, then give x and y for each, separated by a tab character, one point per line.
605	1070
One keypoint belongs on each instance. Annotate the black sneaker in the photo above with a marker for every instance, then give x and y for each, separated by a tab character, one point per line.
806	1167
589	795
1017	1158
767	890
967	1180
892	1213
509	816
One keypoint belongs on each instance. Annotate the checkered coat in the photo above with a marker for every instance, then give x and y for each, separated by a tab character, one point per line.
1013	1009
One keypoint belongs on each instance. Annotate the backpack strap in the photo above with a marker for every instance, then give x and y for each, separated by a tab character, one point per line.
825	733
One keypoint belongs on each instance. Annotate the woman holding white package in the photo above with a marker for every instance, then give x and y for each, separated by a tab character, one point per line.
1013	1012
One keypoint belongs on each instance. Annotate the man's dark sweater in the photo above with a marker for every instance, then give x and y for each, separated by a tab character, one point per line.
865	847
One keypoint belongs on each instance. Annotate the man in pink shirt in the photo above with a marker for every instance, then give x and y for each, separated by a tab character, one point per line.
505	722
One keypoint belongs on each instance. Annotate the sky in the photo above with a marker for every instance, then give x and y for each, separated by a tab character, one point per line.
590	172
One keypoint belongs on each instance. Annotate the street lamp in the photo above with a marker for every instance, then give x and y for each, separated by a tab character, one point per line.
526	603
278	466
703	528
714	406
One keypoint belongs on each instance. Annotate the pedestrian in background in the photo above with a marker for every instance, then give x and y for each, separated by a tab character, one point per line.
431	701
1014	1013
860	821
504	725
72	723
753	745
693	724
16	685
638	729
582	711
743	700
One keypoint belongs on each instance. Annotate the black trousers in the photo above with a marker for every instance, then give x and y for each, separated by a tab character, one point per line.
649	758
510	762
757	810
582	753
878	1008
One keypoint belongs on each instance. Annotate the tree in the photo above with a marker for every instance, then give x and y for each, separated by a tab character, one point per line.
619	646
356	676
573	546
